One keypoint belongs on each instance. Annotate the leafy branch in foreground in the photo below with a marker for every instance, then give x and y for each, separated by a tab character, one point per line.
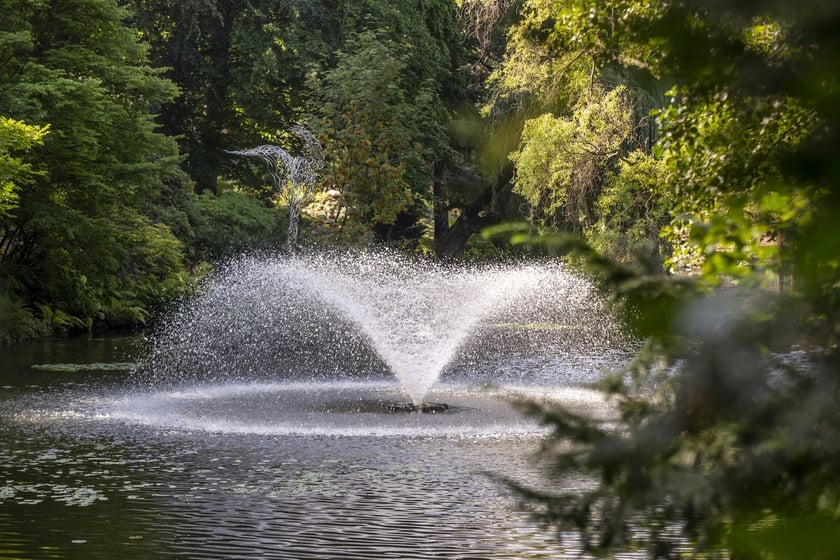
726	443
721	448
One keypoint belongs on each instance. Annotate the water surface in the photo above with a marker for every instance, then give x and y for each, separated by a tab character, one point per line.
93	467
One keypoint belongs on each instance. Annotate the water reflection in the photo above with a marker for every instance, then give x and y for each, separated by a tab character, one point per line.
147	493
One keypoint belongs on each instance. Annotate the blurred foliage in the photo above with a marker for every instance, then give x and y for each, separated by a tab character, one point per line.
725	443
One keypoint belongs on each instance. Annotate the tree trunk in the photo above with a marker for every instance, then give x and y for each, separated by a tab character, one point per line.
440	211
449	241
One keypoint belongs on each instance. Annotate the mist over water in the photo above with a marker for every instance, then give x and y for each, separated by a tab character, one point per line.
373	316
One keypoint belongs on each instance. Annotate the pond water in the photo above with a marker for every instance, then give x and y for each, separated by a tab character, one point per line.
257	420
93	467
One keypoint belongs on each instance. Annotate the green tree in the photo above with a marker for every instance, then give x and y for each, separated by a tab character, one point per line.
562	163
539	97
77	249
381	113
367	128
15	137
632	210
587	112
247	70
193	39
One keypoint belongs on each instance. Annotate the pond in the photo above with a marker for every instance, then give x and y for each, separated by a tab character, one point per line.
80	479
206	457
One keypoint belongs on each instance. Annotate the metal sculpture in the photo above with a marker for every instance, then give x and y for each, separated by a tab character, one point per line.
294	176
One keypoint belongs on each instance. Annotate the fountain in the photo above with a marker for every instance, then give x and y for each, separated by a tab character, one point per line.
301	339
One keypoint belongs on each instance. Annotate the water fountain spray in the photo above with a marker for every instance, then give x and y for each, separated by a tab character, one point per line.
353	315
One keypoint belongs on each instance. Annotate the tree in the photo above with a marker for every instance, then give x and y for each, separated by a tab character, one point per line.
590	114
193	39
15	137
381	114
531	86
562	163
725	446
632	210
77	249
367	128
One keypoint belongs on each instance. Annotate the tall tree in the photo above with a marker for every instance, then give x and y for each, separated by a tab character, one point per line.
194	40
241	69
382	113
80	251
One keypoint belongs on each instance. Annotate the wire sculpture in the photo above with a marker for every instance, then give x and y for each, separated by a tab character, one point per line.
294	177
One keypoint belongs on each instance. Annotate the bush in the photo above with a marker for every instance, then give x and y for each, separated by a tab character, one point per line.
230	223
17	321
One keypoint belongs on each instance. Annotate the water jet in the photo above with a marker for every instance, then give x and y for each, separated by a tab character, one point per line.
366	317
